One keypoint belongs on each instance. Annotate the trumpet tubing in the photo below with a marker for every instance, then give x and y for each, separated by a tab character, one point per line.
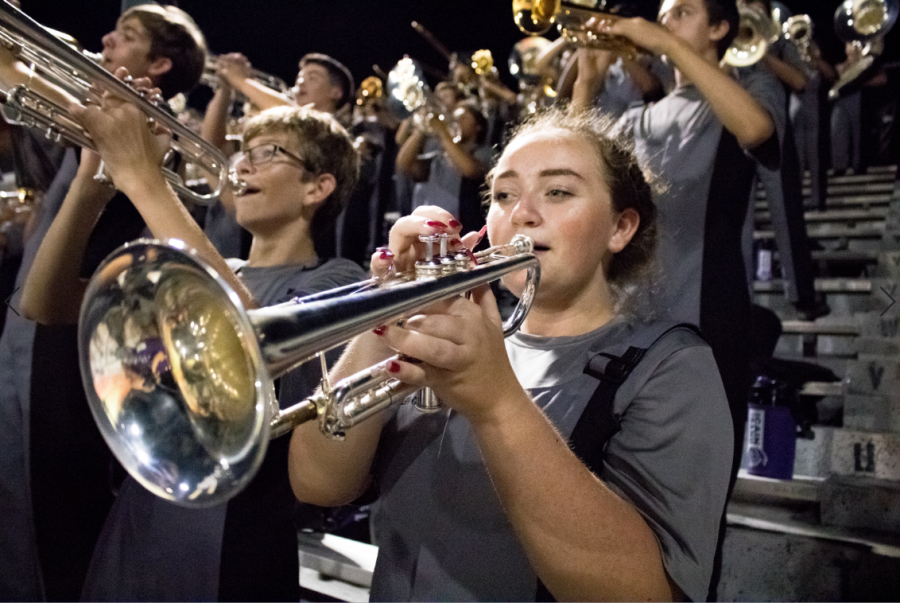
571	16
210	79
82	77
179	375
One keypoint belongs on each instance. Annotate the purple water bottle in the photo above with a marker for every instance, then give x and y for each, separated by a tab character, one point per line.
771	441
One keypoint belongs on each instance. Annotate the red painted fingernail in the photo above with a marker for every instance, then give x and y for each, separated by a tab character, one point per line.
435	224
481	234
379	330
455	224
393	367
385	254
455	242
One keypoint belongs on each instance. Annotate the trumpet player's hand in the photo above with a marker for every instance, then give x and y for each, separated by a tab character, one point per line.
405	248
128	145
233	68
459	349
642	33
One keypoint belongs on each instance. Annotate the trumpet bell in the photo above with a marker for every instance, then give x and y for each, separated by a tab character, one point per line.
179	393
523	59
756	32
865	20
535	17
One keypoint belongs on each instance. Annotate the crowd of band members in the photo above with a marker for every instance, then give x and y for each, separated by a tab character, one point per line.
59	484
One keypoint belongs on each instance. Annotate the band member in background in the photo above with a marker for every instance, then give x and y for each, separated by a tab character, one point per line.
41	395
299	166
449	171
784	185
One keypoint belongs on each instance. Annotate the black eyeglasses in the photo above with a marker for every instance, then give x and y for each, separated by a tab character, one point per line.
264	153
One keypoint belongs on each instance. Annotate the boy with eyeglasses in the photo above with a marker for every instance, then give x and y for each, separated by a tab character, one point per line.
299	166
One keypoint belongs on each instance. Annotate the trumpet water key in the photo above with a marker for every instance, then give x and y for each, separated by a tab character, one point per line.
178	374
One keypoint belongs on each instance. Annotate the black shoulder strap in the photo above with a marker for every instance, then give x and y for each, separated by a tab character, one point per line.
598	423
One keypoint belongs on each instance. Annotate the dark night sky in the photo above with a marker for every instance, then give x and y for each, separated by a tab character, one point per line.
274	34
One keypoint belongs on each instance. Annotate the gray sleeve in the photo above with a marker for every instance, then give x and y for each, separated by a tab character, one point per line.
334	273
672	458
768	91
625	124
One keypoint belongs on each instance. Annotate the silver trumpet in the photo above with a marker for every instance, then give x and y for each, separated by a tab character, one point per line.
210	79
179	375
79	74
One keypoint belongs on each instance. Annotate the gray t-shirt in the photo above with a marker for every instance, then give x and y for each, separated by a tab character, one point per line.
441	530
677	138
619	90
444	182
151	549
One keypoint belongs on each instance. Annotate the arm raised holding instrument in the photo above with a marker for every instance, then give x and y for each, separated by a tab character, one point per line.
132	155
684	36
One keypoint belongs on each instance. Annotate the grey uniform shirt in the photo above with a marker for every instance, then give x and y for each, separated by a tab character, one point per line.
444	181
677	138
441	530
151	549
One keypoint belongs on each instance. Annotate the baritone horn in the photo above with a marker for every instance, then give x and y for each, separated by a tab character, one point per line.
81	76
179	375
863	23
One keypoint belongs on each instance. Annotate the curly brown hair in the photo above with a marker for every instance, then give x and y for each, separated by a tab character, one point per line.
629	186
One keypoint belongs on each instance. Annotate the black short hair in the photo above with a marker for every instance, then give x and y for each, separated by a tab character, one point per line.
340	76
175	36
471	106
724	10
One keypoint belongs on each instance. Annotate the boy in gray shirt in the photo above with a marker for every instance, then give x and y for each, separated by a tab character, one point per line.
299	166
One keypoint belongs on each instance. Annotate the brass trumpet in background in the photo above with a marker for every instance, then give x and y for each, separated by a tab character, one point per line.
87	81
863	23
535	17
756	32
211	79
179	375
371	90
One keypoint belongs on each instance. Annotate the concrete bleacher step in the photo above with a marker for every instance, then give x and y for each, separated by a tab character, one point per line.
844	256
862	286
867	230
848	328
847	201
850	188
851	215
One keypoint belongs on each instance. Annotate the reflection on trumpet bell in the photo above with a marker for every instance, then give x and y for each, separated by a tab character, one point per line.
371	90
865	21
756	32
535	17
482	62
178	375
571	17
